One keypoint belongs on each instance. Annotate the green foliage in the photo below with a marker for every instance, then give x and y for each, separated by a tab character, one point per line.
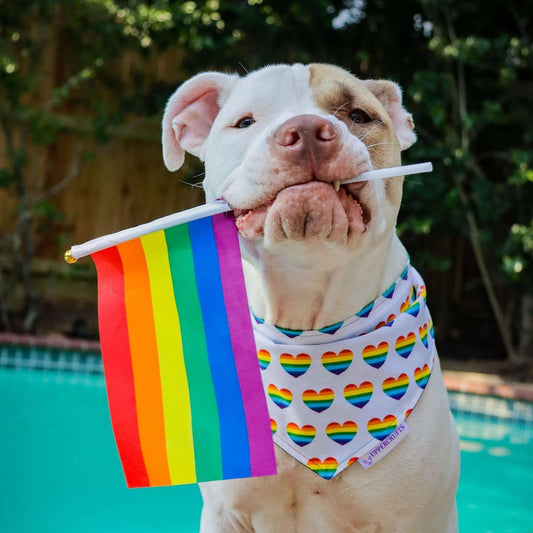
466	68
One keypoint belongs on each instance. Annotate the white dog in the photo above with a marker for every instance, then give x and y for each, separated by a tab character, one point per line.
344	362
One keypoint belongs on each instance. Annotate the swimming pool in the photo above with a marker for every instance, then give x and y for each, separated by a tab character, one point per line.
60	469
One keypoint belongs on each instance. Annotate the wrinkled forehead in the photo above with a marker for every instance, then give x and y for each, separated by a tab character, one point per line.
279	86
298	89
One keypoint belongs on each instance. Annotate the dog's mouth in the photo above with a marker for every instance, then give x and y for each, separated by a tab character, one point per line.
314	199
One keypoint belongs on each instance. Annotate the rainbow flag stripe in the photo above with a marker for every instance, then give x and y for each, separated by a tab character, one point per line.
183	383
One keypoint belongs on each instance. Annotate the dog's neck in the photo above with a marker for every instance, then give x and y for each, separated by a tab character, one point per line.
303	289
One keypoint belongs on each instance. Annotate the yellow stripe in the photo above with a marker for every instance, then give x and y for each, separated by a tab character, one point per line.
175	389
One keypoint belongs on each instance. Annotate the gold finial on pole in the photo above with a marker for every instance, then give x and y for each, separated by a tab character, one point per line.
69	258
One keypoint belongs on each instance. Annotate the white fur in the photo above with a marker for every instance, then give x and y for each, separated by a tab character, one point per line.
310	282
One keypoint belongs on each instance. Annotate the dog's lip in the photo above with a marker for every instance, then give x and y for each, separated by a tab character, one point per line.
351	190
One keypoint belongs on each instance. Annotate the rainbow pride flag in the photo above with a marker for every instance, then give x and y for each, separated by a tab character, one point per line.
182	376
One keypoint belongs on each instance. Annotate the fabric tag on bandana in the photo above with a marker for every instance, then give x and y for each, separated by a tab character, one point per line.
387	445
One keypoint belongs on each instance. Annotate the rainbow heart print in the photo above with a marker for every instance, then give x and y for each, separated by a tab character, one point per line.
422	376
335	400
281	397
375	355
423	331
381	428
341	433
326	468
264	358
318	401
337	363
301	436
396	388
360	395
404	345
295	366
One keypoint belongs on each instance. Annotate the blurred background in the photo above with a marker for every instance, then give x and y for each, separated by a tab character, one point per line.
83	84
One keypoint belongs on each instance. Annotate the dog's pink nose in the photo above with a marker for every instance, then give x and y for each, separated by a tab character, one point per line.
304	132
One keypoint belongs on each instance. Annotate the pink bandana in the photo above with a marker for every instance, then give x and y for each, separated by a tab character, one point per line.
344	391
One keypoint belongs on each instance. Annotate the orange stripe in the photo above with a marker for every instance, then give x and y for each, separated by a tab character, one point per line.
145	362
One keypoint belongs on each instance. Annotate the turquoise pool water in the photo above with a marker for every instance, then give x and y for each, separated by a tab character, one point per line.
60	471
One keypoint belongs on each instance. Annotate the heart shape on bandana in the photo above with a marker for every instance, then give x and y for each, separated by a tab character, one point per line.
281	397
318	401
405	304
273	426
325	468
263	356
337	364
422	292
414	309
396	388
341	433
295	365
404	345
301	436
375	356
388	322
381	429
358	396
423	331
422	376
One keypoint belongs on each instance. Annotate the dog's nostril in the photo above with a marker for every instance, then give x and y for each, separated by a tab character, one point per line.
325	132
288	137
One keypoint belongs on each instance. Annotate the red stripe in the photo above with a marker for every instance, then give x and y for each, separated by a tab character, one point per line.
114	341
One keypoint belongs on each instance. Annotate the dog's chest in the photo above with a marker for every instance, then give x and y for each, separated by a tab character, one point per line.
336	394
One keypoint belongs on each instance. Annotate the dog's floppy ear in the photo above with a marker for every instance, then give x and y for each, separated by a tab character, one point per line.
390	96
189	115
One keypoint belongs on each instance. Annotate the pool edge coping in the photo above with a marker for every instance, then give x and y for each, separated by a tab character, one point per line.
480	383
487	385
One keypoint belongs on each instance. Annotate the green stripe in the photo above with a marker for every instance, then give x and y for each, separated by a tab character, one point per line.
205	422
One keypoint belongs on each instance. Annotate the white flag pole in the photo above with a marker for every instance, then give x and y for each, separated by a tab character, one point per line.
210	209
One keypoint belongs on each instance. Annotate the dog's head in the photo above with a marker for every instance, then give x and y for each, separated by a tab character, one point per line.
277	142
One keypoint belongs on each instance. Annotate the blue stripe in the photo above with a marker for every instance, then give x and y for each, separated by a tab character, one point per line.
333	328
365	311
233	429
290	332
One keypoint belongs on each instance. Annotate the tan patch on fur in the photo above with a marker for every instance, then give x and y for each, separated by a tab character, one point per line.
338	92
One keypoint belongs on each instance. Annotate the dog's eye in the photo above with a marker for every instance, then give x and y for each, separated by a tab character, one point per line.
359	116
244	122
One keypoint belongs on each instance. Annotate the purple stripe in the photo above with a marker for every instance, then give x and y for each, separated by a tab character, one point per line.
262	459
